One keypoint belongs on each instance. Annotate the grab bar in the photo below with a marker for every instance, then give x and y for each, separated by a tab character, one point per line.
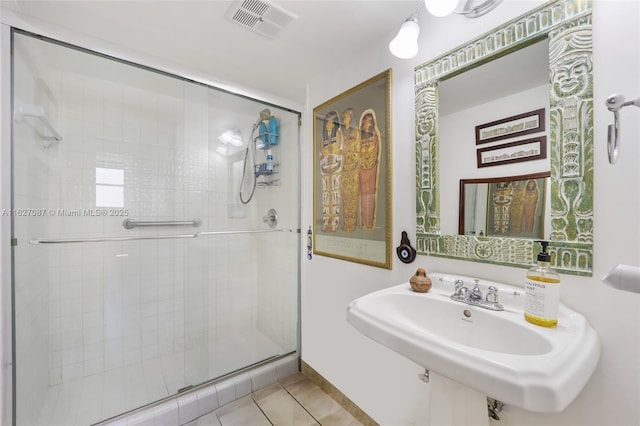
130	224
151	237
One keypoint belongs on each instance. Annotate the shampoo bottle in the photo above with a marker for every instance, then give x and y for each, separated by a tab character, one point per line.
269	161
542	292
263	135
274	128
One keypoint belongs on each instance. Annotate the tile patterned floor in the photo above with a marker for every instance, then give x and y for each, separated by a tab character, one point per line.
294	400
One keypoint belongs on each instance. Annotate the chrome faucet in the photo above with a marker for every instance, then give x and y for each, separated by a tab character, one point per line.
474	296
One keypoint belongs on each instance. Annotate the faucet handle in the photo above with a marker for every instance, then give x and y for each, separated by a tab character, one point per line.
459	285
492	294
476	293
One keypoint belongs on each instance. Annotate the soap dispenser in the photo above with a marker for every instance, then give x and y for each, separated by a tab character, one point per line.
542	291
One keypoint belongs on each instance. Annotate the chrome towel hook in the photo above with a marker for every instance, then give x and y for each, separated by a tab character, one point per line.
614	103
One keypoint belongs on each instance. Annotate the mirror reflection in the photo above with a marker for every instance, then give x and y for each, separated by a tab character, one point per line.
513	207
504	87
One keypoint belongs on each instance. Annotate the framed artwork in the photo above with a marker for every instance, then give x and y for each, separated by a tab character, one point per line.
352	174
517	125
513	152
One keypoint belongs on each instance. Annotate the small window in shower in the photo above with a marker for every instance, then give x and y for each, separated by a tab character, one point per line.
109	187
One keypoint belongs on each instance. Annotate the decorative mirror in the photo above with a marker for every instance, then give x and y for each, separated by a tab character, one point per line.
565	27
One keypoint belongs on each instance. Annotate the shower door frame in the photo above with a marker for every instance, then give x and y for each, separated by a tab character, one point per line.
11	23
7	372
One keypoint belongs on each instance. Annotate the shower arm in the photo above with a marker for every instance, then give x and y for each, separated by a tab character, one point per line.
35	111
614	103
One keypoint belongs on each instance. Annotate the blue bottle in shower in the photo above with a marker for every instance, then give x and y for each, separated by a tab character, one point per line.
263	135
273	131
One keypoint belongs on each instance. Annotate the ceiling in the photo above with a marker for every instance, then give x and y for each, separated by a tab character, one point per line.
197	36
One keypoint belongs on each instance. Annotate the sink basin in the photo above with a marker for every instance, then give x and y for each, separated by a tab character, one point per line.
497	353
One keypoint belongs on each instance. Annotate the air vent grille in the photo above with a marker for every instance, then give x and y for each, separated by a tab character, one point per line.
245	18
261	16
256	6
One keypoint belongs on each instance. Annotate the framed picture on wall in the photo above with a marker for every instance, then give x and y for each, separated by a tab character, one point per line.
352	174
516	125
513	152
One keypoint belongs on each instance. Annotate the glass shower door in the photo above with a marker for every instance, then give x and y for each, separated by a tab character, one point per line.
139	271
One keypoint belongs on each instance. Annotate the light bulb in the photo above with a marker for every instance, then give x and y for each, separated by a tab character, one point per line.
441	7
405	44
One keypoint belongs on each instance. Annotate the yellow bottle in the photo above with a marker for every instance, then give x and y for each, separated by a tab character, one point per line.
542	291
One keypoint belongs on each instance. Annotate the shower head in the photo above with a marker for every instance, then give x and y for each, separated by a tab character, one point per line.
265	114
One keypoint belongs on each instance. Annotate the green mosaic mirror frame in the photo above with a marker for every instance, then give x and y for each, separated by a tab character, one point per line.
567	25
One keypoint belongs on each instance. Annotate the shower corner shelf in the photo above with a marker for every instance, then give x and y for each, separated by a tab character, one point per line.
261	170
265	173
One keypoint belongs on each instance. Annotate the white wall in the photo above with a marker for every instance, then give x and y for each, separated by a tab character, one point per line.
385	384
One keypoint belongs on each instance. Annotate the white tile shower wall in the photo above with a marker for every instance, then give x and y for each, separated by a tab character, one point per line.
121	304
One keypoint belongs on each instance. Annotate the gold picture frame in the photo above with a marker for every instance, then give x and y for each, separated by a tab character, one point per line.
352	174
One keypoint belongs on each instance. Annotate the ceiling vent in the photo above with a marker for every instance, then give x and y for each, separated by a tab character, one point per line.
262	16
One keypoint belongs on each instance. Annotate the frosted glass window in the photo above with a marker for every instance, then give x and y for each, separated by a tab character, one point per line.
109	187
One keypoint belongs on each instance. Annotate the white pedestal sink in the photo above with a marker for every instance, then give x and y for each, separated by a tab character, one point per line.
493	353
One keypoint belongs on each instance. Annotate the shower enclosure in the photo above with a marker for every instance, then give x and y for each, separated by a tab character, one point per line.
137	269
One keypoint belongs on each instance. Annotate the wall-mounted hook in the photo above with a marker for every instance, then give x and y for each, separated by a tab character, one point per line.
614	103
406	253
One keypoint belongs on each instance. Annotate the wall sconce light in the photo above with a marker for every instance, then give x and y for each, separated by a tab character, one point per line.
441	7
405	43
470	9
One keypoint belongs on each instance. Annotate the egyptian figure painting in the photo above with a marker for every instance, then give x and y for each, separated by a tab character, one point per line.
349	160
370	158
352	173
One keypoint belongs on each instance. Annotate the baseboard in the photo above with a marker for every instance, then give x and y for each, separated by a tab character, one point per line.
334	393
